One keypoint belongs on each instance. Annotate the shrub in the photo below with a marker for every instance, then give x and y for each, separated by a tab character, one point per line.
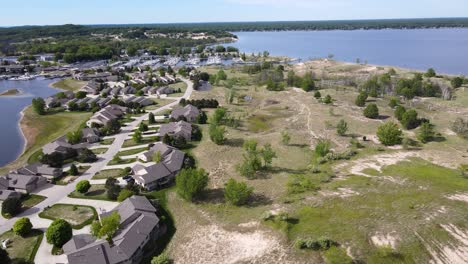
299	184
389	134
315	244
322	148
83	186
328	99
237	193
59	232
124	194
410	119
161	259
151	119
285	137
342	128
317	95
191	182
22	226
11	206
217	134
399	112
371	111
346	155
456	82
361	99
393	102
73	170
430	73
426	132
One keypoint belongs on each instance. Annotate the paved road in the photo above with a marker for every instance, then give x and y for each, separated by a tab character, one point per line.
55	194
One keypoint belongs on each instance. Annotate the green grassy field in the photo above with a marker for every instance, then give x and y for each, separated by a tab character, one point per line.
96	192
104	174
23	249
77	215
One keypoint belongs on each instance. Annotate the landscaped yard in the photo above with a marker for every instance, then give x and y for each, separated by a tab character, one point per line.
69	84
132	151
23	249
98	151
180	85
77	215
104	174
96	192
121	161
31	200
107	141
131	143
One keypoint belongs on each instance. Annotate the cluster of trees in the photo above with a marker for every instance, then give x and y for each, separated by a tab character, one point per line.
416	86
190	183
57	159
307	83
39	106
255	159
200	104
11	206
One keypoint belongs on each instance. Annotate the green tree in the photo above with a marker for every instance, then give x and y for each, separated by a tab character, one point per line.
11	206
217	134
457	82
237	193
410	119
143	127
389	134
191	182
399	112
75	137
430	73
221	75
107	227
361	99
59	233
22	226
393	102
317	95
39	105
328	99
285	137
426	132
322	148
342	127
371	111
124	194
73	170
268	154
113	188
219	116
151	119
137	137
161	259
83	186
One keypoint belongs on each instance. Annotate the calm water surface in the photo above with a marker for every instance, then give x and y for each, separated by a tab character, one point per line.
11	140
446	50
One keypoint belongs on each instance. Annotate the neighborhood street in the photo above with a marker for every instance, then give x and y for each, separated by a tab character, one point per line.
59	194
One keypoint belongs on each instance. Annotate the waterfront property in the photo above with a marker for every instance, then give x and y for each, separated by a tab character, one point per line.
139	225
106	115
21	183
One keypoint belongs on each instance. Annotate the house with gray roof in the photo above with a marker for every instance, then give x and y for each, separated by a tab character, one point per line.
177	129
21	183
139	225
189	112
90	135
59	145
91	88
39	169
106	115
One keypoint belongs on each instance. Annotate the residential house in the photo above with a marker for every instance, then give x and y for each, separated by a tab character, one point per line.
107	114
128	90
21	183
5	194
189	112
90	135
91	88
59	145
177	129
39	169
165	90
139	225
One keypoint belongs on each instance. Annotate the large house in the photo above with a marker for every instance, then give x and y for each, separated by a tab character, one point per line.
106	115
171	162
139	225
39	169
90	135
177	129
21	183
60	145
190	113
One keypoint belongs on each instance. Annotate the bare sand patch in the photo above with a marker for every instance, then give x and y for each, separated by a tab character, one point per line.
385	240
341	192
213	244
459	197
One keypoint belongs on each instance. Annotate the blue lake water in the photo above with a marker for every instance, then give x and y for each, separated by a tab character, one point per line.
445	50
11	140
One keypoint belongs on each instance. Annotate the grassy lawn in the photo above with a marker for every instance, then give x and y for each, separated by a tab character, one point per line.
108	141
99	151
23	249
40	130
31	200
180	85
96	192
131	143
104	174
159	103
131	151
122	161
68	84
77	215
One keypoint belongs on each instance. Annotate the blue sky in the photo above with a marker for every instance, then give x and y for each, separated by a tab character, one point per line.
48	12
